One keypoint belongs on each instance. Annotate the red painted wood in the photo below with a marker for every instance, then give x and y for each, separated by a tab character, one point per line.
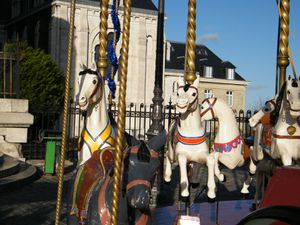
283	188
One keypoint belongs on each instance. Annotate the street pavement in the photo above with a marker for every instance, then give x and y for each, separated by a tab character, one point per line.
35	203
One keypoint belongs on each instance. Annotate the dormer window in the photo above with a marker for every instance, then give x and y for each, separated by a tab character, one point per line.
230	73
208	71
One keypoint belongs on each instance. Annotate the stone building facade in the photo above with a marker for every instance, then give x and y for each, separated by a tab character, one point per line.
217	78
45	24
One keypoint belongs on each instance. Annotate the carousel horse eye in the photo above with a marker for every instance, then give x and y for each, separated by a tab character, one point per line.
288	92
194	94
177	94
202	107
94	81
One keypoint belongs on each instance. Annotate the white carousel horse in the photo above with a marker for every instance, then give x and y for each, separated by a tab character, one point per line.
187	141
228	143
285	131
97	132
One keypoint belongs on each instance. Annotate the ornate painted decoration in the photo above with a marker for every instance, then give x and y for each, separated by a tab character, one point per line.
228	146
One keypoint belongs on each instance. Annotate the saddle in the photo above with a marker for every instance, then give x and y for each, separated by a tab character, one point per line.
88	175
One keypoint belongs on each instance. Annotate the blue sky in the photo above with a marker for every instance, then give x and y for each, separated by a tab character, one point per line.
243	32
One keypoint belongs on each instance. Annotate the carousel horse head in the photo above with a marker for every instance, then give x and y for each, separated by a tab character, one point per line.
207	111
140	167
187	96
292	92
91	86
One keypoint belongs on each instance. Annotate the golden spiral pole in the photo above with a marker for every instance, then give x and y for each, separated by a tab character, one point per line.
102	61
65	115
190	71
283	59
121	113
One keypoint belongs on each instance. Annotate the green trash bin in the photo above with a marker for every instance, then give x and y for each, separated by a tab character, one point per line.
53	142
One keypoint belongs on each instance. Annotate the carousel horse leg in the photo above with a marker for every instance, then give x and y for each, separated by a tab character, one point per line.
251	173
168	169
184	183
211	185
219	175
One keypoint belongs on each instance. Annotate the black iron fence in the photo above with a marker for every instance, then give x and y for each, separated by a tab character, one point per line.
138	120
9	79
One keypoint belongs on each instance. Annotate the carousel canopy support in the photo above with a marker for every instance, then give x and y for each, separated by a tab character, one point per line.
190	72
65	114
283	59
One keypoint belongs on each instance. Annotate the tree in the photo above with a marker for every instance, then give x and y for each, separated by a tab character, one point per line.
41	81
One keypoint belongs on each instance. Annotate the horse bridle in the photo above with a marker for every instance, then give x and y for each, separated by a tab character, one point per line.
146	183
210	107
191	103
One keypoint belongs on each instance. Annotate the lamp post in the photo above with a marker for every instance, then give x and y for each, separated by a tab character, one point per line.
157	116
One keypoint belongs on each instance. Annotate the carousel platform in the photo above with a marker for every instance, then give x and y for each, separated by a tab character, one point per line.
229	213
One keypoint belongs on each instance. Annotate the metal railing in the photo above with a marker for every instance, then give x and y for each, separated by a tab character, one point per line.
9	78
138	119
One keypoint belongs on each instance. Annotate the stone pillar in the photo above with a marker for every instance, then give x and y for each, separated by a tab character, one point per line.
14	122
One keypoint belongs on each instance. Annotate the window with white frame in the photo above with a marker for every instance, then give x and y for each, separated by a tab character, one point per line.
230	73
208	93
208	71
229	98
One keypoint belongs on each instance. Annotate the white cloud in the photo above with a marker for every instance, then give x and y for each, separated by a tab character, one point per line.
209	37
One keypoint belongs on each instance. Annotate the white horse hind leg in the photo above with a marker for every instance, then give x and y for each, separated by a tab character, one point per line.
218	173
167	169
184	183
251	173
211	185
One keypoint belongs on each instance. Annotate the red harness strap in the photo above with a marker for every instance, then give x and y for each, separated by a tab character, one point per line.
210	108
189	140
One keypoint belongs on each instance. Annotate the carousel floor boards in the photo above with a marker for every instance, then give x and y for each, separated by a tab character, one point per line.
230	212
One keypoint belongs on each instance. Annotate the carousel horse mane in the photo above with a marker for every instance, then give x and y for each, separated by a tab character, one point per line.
275	114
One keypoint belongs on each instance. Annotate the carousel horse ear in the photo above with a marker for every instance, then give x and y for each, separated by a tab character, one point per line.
94	67
289	77
181	81
143	153
82	66
197	81
131	140
158	141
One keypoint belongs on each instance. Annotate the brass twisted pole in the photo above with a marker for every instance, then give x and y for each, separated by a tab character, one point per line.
190	71
65	115
289	48
283	59
121	112
102	61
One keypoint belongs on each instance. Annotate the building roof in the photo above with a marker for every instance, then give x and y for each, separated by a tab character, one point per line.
143	4
204	57
139	4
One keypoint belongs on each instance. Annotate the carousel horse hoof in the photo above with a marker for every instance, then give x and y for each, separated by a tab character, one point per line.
253	207
167	179
185	193
244	195
222	178
211	200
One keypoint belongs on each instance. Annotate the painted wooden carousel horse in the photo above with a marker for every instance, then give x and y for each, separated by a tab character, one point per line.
284	134
96	135
187	140
97	132
228	143
140	164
